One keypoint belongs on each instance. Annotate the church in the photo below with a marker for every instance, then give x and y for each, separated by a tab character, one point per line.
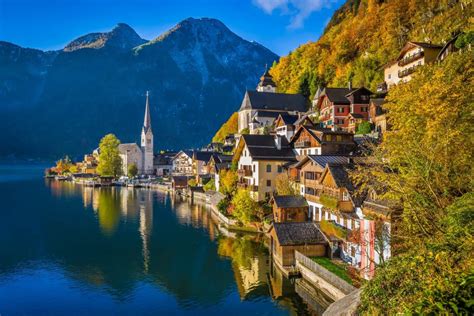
141	156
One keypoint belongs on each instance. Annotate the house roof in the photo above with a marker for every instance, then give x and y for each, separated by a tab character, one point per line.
289	119
362	90
273	101
203	155
289	201
263	147
356	115
263	113
303	118
337	95
188	153
324	160
123	148
410	45
341	176
450	42
290	234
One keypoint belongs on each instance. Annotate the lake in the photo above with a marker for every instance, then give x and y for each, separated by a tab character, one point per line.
66	249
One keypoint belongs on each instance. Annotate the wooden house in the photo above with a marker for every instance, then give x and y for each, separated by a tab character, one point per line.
260	159
306	238
322	141
289	208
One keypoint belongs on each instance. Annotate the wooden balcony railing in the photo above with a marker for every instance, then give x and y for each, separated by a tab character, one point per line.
410	59
302	144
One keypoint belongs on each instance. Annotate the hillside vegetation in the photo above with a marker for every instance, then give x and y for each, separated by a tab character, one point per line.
229	127
362	36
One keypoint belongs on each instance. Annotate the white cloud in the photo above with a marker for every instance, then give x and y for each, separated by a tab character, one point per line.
298	10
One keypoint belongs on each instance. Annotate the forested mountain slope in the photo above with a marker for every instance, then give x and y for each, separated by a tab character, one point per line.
362	36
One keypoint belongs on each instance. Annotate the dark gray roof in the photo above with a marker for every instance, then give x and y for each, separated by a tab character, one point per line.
341	176
289	119
427	45
263	147
323	160
263	113
288	201
357	115
266	80
337	95
203	155
290	234
274	101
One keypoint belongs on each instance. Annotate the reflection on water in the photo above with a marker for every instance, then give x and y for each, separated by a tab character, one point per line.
123	250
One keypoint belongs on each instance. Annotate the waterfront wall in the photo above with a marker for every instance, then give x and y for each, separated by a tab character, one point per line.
330	283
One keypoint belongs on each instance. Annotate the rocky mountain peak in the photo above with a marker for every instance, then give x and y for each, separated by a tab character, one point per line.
122	37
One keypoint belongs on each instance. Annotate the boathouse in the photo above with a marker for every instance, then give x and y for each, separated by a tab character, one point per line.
305	237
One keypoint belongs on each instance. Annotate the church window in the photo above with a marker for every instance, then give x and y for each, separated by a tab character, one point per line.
269	168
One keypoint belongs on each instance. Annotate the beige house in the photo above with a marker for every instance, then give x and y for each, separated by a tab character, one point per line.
412	55
182	163
260	159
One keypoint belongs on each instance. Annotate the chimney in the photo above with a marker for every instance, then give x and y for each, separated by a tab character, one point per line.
350	84
278	141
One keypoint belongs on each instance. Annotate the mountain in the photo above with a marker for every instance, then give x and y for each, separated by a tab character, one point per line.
362	36
63	102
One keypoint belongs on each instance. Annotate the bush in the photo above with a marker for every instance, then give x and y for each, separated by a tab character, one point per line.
210	186
192	182
222	206
364	128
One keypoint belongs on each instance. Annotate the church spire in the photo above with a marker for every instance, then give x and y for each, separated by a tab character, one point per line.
147	120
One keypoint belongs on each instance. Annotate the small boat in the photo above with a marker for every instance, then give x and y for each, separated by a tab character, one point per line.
61	178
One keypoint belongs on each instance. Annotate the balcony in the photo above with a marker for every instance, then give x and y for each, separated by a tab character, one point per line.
303	144
244	172
406	72
243	185
407	60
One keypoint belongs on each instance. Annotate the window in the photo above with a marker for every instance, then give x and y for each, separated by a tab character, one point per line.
280	169
269	168
340	110
253	168
269	183
339	138
364	97
345	196
389	76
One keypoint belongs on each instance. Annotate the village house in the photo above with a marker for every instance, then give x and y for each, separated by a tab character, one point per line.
322	141
412	55
306	238
89	164
284	125
200	164
141	156
311	169
260	159
377	115
375	231
335	105
260	108
183	163
162	163
217	163
289	208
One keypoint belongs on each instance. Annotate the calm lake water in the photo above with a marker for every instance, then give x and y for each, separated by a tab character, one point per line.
71	250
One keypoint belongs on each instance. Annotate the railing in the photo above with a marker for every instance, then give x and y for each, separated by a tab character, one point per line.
406	72
301	144
410	59
323	273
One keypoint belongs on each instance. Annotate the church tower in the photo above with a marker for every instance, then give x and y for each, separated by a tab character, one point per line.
266	83
147	140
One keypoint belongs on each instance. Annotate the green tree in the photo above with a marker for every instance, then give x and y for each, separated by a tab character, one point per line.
110	163
192	182
244	206
228	182
283	185
132	170
425	164
364	128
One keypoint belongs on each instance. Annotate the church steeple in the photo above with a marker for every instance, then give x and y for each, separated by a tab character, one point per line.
266	83
147	140
147	119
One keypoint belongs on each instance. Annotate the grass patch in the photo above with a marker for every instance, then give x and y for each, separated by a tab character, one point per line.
338	270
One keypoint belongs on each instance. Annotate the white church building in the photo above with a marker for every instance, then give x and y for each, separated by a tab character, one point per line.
141	156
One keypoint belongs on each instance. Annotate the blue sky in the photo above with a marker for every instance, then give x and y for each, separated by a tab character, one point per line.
280	25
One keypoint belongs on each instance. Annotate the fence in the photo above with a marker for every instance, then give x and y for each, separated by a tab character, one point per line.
323	273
